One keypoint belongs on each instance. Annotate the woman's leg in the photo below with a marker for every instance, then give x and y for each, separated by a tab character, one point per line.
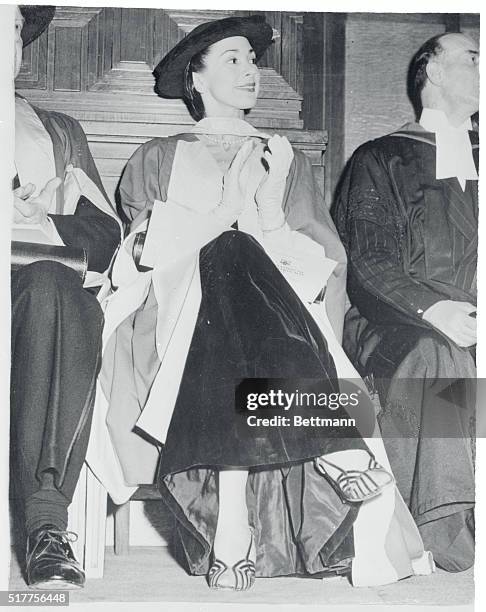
233	541
233	534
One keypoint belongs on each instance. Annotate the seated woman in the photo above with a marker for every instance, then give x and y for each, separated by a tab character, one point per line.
211	306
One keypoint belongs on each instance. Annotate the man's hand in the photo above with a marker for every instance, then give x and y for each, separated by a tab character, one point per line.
452	319
270	192
21	194
34	210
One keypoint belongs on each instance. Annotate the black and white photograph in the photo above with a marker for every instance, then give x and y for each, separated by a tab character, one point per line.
240	362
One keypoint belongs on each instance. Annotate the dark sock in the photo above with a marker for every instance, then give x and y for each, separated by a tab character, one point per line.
46	507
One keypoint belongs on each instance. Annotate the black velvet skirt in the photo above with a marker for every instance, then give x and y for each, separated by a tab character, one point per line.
251	324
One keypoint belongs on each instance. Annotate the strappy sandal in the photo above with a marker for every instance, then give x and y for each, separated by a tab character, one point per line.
356	486
243	571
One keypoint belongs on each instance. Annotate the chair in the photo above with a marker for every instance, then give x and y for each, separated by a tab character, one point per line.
87	518
121	517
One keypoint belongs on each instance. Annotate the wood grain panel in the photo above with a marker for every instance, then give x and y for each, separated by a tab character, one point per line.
292	50
377	60
105	36
135	35
313	73
33	71
335	65
117	40
272	58
67	66
94	44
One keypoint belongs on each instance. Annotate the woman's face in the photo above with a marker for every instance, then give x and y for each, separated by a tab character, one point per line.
230	81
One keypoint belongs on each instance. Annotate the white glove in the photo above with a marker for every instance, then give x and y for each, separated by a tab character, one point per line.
234	189
270	192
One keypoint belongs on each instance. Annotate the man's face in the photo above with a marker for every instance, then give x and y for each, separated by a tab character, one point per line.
459	62
19	22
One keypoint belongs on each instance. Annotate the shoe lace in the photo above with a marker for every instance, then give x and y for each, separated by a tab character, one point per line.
51	538
58	535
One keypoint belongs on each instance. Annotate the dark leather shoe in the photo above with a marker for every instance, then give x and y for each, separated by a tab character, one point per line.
50	561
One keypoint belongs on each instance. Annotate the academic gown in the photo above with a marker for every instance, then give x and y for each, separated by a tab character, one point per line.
411	241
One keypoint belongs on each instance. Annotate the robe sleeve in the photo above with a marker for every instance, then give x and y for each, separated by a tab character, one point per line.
88	227
373	227
306	212
143	181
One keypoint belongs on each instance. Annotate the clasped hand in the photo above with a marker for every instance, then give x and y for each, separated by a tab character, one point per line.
278	157
234	188
452	319
269	195
33	210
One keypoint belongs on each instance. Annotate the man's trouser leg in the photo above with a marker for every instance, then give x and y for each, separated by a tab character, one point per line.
56	338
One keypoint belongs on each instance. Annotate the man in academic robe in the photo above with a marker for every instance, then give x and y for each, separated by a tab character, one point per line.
407	211
56	322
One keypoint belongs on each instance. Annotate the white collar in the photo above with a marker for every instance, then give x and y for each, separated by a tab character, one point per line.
454	153
226	125
434	120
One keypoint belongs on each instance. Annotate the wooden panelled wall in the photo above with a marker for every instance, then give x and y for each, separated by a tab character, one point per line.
377	50
376	99
96	65
333	76
363	82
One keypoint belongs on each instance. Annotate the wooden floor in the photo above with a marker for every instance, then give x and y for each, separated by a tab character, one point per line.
150	574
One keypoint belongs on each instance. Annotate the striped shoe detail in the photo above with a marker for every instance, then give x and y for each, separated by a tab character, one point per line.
244	572
217	569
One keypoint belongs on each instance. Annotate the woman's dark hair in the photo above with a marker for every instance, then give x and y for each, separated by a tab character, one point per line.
417	72
192	97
